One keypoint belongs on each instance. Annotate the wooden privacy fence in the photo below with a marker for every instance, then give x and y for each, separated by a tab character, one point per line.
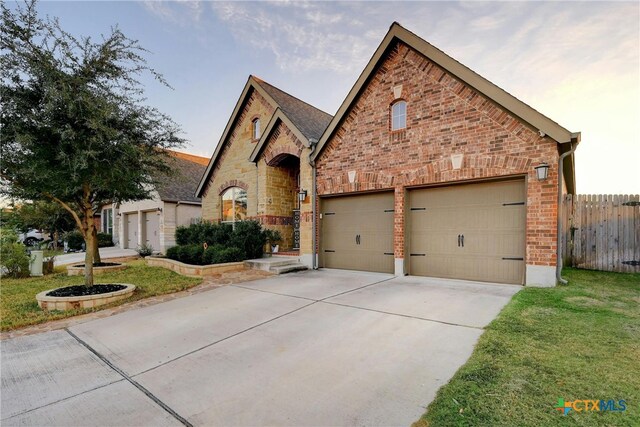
601	232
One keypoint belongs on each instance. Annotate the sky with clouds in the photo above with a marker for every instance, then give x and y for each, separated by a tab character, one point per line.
576	62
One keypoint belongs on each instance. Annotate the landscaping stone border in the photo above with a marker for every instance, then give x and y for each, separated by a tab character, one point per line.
194	270
48	303
78	269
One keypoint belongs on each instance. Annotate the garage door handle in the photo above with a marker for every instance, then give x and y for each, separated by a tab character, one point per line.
462	240
458	240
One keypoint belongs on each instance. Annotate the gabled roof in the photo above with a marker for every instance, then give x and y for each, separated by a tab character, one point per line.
180	186
309	120
479	83
278	117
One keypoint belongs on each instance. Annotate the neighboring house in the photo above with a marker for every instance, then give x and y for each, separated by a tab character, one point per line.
426	169
153	221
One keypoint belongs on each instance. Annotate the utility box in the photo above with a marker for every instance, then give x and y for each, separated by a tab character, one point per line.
35	263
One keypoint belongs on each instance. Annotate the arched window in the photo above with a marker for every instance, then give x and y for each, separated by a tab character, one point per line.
398	115
255	128
234	205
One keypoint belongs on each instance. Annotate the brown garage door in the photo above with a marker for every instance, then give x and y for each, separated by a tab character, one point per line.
357	232
473	232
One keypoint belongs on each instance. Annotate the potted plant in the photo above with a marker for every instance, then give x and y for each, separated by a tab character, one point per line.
273	238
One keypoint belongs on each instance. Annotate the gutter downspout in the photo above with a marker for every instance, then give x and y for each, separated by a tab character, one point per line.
314	263
559	278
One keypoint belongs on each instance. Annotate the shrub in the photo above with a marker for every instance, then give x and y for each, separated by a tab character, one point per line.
189	254
8	235
144	250
74	240
248	236
48	266
105	240
218	254
231	254
226	244
173	252
204	232
14	258
209	255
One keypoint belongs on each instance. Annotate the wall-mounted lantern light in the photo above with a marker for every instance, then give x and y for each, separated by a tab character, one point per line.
302	194
159	210
542	171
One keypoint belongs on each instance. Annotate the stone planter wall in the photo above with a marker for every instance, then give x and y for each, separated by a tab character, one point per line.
87	301
194	270
75	270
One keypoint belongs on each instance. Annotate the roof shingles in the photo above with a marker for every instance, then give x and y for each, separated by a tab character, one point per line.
180	186
308	119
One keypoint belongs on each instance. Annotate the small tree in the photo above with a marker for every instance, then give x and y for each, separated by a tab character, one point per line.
75	129
44	215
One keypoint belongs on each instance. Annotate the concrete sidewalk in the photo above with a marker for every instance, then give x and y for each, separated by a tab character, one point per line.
105	253
314	348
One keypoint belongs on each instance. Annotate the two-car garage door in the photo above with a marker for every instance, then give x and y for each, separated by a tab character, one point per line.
471	231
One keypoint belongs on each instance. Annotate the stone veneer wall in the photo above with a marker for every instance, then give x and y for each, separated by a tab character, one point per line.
271	191
233	167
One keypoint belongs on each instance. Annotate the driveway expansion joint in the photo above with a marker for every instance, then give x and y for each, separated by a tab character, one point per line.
313	299
137	385
224	339
404	315
324	300
60	400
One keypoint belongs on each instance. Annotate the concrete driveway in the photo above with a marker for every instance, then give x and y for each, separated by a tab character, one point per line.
324	347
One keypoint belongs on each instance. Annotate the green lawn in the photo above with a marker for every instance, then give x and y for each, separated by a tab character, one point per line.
18	306
575	342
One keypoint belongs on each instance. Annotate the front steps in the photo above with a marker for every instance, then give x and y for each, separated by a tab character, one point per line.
277	265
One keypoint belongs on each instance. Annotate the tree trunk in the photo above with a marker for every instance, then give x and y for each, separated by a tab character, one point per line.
89	233
89	238
95	248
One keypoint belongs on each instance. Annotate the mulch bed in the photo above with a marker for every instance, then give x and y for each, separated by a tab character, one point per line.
101	264
81	290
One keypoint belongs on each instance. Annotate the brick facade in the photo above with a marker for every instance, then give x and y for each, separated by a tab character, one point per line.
444	117
447	117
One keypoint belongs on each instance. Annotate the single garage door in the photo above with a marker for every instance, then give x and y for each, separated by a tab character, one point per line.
357	232
152	230
472	232
131	221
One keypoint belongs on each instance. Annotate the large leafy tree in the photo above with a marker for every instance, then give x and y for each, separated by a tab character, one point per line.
75	126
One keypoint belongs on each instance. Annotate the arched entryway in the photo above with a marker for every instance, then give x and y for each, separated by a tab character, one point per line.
283	205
